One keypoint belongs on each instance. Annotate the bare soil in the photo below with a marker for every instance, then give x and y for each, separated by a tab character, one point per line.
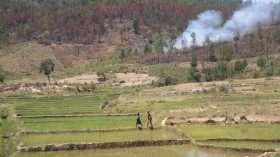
237	119
85	78
133	79
122	79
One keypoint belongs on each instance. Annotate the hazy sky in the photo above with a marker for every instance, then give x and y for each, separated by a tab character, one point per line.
265	1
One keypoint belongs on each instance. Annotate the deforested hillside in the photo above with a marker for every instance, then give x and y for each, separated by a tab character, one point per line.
86	21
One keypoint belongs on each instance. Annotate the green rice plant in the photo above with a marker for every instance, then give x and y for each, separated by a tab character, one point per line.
78	123
138	135
60	105
239	131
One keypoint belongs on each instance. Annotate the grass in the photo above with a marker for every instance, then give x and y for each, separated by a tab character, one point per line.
75	123
42	140
270	87
251	145
240	131
162	151
227	104
12	48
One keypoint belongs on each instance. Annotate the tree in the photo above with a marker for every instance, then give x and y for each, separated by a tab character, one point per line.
223	71
261	62
136	26
2	77
210	50
47	67
260	45
159	43
147	49
226	52
194	61
180	26
193	35
236	39
268	39
121	55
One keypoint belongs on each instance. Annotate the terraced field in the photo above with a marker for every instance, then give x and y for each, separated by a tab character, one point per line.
240	131
108	116
163	151
143	135
78	123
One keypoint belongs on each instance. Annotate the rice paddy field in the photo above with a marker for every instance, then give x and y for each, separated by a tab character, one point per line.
240	131
97	111
60	105
143	135
78	123
163	151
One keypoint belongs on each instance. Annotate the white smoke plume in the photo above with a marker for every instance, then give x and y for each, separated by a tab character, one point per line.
210	23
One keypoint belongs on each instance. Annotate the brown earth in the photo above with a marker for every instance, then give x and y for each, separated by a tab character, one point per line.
28	56
85	78
133	79
104	145
122	79
237	119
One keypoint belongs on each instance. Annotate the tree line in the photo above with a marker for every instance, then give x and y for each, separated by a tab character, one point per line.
83	21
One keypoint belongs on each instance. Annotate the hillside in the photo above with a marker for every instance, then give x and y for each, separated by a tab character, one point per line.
124	40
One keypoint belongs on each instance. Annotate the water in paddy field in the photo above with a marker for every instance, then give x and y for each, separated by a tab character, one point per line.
199	152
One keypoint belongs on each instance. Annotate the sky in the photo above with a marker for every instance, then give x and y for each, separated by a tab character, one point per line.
264	1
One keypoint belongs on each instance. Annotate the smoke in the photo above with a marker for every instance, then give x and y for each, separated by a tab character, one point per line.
210	23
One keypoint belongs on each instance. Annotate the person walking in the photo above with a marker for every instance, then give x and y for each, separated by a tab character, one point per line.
138	120
149	122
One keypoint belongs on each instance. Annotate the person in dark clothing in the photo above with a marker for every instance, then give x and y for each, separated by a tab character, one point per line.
138	121
149	119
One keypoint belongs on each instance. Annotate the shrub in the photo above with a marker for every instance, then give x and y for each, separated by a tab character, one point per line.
240	66
166	81
224	89
194	75
208	77
269	71
213	58
255	74
261	62
222	71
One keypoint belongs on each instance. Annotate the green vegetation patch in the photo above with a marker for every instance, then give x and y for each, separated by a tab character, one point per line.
271	87
240	131
61	105
138	135
241	144
76	123
172	70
